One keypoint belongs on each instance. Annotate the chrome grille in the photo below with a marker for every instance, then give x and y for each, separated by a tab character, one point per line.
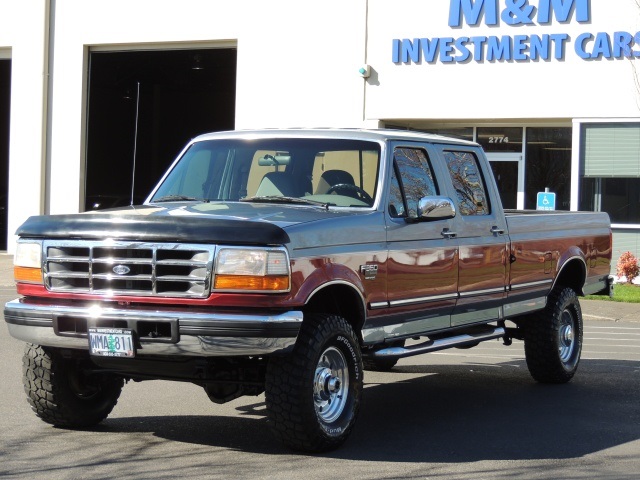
124	268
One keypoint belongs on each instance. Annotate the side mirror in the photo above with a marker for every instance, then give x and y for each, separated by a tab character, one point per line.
435	208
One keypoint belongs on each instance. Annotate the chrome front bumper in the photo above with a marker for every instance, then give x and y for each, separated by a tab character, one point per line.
171	331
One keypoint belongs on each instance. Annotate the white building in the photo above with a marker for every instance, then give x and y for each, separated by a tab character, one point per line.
550	88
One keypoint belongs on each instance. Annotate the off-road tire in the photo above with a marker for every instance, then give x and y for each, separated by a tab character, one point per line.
61	394
313	395
553	338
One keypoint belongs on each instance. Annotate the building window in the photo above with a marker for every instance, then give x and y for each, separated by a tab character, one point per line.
500	139
610	177
548	165
463	133
619	197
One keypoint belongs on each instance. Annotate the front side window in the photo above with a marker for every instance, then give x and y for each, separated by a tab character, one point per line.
412	179
468	183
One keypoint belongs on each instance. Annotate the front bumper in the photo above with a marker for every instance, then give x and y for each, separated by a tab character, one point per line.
173	332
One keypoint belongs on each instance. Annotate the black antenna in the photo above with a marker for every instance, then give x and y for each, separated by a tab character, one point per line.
135	143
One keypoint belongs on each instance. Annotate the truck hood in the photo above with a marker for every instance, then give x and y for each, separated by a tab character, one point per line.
231	223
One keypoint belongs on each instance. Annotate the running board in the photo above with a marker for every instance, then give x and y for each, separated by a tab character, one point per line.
462	340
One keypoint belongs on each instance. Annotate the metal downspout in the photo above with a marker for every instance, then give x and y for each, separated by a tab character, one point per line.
49	40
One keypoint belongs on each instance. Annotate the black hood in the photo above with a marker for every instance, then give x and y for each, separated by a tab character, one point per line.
230	223
180	224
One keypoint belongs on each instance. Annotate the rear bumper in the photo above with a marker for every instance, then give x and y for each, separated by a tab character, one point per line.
173	332
603	286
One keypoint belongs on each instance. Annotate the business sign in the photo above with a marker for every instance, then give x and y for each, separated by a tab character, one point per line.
521	47
546	201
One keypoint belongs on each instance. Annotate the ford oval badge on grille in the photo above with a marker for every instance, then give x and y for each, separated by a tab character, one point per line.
121	269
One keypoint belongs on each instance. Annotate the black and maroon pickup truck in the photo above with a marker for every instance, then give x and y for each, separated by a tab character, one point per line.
290	261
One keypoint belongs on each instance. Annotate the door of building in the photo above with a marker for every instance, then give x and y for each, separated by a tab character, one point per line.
508	171
5	102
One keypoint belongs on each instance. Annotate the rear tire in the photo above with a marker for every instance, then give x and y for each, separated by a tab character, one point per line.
313	395
553	339
60	393
374	364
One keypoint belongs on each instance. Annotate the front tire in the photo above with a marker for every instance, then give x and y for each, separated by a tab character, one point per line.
313	395
553	339
60	392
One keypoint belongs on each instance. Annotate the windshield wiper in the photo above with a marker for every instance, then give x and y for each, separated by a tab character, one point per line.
179	198
281	199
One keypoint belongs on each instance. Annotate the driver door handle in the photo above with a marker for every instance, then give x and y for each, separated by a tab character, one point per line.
446	233
497	231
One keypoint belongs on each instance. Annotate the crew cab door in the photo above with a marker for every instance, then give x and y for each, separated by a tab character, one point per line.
480	228
422	263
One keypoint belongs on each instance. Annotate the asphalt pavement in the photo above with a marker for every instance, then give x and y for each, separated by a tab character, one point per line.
468	414
591	309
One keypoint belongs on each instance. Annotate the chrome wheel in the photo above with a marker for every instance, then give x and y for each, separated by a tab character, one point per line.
566	337
553	338
313	395
331	385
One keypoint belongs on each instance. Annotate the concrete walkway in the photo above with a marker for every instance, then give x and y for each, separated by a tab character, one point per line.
591	309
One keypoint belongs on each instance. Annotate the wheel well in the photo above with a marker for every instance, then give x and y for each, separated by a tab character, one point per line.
573	275
341	300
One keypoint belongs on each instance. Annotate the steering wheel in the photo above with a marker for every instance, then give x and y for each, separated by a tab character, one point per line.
352	191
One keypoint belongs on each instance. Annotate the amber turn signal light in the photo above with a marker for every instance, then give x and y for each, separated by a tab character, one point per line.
270	283
27	274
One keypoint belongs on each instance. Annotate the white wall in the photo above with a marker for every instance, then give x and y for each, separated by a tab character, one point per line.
297	66
22	38
498	90
297	63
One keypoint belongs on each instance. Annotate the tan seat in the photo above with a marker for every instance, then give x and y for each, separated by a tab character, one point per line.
279	184
333	177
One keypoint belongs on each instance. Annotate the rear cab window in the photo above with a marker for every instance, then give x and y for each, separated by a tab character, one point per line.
468	183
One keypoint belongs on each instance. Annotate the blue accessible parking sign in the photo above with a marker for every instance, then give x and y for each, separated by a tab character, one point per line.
546	201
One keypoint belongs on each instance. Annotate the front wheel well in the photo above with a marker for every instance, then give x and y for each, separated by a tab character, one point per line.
339	299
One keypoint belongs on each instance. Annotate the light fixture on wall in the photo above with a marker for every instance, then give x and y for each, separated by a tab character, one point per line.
197	62
365	71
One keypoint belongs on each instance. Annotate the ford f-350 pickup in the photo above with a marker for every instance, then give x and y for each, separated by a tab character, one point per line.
288	262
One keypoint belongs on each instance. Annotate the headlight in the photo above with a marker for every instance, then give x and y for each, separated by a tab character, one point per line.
27	262
243	269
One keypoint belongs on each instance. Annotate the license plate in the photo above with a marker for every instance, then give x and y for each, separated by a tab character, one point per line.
111	342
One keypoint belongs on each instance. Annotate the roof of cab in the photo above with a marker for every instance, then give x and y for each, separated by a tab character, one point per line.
377	135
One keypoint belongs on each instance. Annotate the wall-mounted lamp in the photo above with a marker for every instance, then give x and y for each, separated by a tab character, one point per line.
197	62
365	71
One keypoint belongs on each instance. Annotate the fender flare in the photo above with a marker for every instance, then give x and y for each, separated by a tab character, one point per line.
573	256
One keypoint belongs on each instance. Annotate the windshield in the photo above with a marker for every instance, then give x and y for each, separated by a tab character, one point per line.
331	172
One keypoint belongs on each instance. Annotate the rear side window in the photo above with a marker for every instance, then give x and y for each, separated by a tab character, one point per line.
412	178
468	182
